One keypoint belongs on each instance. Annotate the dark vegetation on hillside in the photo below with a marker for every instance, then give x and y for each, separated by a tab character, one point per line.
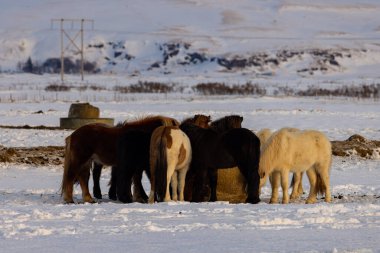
215	88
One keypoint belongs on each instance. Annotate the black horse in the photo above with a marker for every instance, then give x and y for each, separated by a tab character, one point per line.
139	192
133	159
212	150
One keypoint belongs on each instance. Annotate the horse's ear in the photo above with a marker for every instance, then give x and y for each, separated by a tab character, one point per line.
241	118
175	122
209	118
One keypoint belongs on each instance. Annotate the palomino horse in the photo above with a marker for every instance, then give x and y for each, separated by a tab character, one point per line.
170	157
274	177
98	143
297	151
213	150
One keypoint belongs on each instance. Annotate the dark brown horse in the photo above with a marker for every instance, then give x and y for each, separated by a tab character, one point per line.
213	150
220	125
98	143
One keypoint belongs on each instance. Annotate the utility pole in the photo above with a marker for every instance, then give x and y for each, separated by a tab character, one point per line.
72	40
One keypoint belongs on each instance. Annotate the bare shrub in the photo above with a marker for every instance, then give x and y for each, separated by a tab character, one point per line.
145	87
223	89
57	87
363	91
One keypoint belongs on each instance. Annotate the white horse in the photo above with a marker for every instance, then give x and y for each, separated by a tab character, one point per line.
274	177
170	157
291	150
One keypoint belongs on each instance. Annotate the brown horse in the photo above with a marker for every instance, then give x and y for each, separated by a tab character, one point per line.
98	143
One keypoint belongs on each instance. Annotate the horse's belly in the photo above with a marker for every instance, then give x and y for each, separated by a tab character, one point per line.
301	165
103	161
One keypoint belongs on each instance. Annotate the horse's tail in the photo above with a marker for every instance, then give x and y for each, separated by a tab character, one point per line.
320	186
66	165
325	165
160	164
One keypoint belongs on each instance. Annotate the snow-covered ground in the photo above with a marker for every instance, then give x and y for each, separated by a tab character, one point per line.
275	44
33	216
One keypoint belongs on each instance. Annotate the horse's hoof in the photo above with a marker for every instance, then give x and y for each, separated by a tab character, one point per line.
310	201
68	200
112	195
253	200
140	200
89	200
98	195
126	200
273	201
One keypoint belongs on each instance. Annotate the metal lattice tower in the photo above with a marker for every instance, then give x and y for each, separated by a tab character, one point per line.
72	40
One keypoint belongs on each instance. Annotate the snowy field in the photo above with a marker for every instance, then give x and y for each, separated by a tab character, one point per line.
33	216
276	44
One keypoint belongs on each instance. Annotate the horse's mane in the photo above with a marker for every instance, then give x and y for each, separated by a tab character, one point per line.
227	122
149	120
270	150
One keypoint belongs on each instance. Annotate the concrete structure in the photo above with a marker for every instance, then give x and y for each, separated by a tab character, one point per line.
81	114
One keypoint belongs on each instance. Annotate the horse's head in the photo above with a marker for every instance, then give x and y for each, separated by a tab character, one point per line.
234	121
198	120
226	123
202	120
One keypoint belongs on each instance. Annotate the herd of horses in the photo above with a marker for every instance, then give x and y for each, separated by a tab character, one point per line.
182	159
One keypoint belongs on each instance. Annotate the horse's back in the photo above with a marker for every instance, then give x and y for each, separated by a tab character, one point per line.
305	148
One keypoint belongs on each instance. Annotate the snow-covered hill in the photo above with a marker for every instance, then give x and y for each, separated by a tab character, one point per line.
199	38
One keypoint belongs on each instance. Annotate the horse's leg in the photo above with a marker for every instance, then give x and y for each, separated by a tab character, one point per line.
251	175
324	176
139	194
181	183
275	179
152	186
189	185
262	183
297	177
123	184
96	172
199	185
213	177
112	184
83	181
174	186
285	186
312	175
300	187
68	187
